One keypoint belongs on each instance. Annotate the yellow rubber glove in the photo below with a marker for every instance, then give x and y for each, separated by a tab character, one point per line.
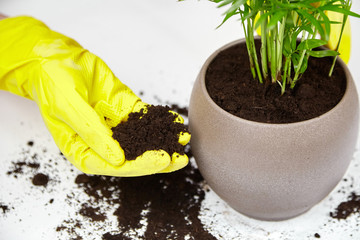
79	98
345	44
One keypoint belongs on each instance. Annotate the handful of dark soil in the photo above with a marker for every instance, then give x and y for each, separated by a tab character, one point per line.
150	129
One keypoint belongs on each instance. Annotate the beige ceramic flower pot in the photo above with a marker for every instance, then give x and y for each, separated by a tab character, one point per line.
272	171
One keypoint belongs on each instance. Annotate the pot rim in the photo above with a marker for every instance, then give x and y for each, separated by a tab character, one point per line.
314	120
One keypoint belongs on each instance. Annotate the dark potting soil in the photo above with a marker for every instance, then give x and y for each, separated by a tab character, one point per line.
151	129
94	213
316	235
4	208
180	110
231	85
347	208
40	179
18	166
163	206
172	202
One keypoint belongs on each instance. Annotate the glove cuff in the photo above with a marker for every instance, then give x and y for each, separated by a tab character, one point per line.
24	45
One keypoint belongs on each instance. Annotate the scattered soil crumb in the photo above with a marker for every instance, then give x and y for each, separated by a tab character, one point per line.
347	208
40	179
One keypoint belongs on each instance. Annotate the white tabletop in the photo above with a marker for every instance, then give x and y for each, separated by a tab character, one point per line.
156	47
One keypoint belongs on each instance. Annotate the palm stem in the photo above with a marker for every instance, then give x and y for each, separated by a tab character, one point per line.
247	40
263	50
273	61
279	46
345	17
253	48
298	68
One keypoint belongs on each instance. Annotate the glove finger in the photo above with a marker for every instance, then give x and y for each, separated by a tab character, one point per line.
67	103
148	163
184	138
179	118
73	146
104	108
108	95
88	161
65	120
95	133
177	162
151	162
140	105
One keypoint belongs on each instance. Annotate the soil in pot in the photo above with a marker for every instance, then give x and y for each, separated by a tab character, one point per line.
230	84
150	129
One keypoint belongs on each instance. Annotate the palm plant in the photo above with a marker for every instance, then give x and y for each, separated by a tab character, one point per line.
291	32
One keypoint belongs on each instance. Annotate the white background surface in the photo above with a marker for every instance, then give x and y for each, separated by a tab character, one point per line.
156	47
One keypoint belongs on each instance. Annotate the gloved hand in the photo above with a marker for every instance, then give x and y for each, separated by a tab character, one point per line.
79	98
